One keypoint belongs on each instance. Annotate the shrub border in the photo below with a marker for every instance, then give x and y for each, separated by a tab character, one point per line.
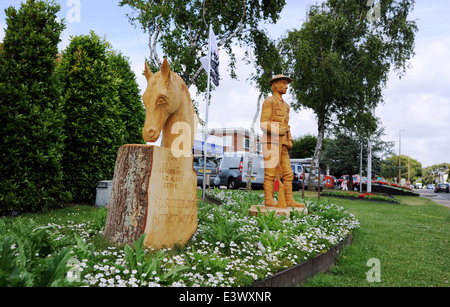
299	273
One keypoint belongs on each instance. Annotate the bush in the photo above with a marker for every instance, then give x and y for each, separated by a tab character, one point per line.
103	110
130	101
31	118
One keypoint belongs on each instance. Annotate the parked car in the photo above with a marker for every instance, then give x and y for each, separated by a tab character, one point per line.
441	187
212	170
418	185
430	186
330	181
233	170
297	182
297	168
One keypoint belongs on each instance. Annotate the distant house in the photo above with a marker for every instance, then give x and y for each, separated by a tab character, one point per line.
222	140
442	176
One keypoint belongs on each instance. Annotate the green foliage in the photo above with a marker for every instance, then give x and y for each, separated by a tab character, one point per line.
31	117
345	147
274	241
430	173
267	59
179	30
10	268
129	97
147	265
221	228
51	273
103	112
389	167
269	220
303	147
29	256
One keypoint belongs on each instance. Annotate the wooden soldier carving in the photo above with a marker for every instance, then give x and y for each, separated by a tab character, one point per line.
277	139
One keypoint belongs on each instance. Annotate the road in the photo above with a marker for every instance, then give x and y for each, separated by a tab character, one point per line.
440	198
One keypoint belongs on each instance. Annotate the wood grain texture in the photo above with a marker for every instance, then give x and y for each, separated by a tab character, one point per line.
127	210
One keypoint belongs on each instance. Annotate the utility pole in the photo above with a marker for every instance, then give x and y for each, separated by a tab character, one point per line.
409	171
360	168
369	167
400	155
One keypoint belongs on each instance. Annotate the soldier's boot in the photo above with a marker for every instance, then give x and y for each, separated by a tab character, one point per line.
290	197
269	192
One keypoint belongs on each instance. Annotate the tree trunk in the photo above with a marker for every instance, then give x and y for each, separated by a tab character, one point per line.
316	158
127	211
154	192
252	145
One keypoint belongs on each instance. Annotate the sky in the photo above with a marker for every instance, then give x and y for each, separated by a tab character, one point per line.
416	108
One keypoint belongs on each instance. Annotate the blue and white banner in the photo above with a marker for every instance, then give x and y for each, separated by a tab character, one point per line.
214	59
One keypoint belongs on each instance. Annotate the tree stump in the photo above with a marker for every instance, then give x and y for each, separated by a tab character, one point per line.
154	192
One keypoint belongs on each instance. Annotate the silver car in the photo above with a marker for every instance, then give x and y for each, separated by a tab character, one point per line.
212	170
298	170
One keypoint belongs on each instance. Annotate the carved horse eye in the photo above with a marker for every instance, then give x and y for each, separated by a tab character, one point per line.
161	100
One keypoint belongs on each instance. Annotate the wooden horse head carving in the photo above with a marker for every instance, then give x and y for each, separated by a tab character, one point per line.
169	109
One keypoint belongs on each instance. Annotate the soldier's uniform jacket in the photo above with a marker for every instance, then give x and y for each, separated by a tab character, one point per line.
275	114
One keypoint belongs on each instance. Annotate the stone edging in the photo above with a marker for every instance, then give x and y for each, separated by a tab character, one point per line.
299	273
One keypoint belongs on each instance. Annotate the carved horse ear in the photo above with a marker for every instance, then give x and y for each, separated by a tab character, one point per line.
165	69
148	72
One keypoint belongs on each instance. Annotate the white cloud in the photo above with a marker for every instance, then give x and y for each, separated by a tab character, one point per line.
420	104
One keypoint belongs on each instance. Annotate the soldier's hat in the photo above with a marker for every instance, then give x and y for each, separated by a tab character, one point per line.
280	77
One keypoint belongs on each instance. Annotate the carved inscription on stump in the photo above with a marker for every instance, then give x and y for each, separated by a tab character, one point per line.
172	199
154	192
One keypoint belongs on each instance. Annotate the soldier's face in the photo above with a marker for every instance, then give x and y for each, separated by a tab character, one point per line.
281	86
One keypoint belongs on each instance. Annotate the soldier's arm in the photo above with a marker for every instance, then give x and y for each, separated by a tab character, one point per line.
266	115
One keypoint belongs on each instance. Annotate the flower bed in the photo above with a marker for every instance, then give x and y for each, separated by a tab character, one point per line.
360	196
390	188
230	247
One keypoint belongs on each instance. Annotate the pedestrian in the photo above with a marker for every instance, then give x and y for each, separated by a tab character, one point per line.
344	185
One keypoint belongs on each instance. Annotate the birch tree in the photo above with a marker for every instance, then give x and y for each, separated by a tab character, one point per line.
178	30
340	60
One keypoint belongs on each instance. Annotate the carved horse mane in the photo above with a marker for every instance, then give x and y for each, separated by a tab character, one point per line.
169	109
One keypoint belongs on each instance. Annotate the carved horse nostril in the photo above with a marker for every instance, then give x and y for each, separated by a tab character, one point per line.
150	135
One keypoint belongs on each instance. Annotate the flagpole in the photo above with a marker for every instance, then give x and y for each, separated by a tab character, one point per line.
205	137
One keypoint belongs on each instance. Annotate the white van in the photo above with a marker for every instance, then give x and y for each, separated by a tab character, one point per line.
233	170
300	165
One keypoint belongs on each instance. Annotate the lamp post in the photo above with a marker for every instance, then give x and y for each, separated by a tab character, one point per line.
369	167
400	155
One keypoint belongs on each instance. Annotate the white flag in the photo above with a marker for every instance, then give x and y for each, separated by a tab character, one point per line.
214	59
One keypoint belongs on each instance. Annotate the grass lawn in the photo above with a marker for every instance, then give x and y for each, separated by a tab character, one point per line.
410	240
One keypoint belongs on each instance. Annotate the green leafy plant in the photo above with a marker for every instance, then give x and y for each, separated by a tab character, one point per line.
147	265
21	266
222	228
269	220
52	272
273	240
31	117
12	271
